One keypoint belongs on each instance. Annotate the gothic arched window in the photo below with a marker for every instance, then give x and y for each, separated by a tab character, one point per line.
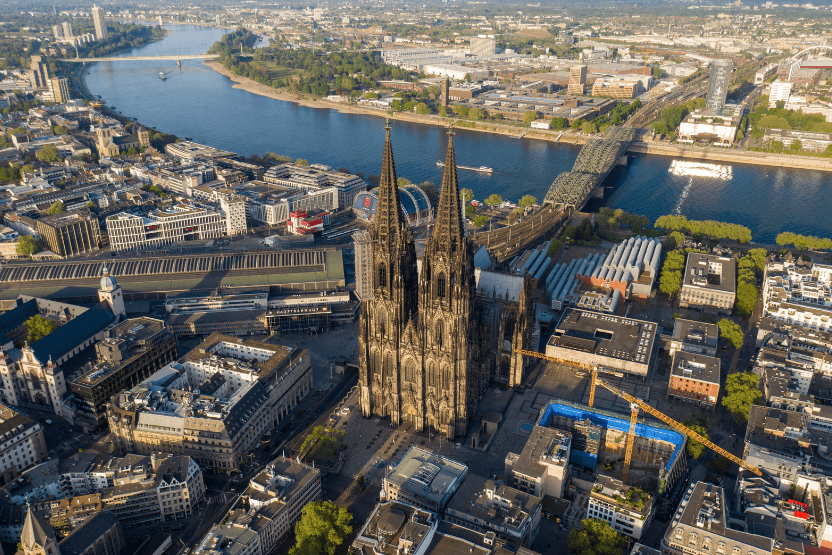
382	275
440	286
446	378
439	334
410	371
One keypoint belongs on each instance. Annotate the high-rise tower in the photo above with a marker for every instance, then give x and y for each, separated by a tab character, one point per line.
100	21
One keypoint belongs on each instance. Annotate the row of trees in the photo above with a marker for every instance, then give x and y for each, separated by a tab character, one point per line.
704	228
750	269
803	242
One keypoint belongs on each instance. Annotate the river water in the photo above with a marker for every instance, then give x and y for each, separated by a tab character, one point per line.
197	102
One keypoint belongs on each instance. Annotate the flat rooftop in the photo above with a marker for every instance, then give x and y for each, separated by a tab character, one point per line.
698	334
718	273
605	335
427	475
695	366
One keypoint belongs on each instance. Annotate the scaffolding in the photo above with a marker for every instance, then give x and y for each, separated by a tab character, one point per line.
363	265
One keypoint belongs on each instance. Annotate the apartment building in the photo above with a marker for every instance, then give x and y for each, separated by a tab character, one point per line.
275	498
629	510
271	204
541	469
214	404
21	442
700	526
181	222
480	505
130	353
694	337
316	177
694	379
141	490
233	209
798	294
577	80
709	283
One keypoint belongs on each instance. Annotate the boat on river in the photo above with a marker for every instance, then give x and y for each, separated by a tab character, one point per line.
482	169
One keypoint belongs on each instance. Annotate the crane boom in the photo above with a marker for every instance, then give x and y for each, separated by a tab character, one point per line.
639	404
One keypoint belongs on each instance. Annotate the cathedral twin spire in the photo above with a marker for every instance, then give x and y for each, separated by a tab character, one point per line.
390	223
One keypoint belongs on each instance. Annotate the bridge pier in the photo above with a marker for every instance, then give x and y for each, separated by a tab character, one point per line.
178	63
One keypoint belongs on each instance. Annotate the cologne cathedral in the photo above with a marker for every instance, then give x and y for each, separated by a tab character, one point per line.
432	339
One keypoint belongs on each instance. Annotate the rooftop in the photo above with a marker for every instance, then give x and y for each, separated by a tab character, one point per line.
426	475
695	366
709	271
547	445
698	334
605	335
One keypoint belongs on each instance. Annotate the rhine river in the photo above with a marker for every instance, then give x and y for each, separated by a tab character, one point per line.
197	102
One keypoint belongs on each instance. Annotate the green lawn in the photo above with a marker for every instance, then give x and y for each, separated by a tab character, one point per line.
278	72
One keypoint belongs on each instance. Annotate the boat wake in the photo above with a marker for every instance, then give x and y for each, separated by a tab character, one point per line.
684	168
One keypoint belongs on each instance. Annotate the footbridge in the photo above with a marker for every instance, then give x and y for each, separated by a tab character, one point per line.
173	58
567	194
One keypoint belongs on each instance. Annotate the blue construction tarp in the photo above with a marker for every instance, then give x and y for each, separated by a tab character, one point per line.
583	458
618	424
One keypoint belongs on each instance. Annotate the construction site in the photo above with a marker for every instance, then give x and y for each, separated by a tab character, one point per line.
599	444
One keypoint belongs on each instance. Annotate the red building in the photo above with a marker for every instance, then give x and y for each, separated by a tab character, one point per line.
694	379
302	222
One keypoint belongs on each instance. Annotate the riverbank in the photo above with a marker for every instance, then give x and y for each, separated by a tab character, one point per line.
735	156
253	87
566	137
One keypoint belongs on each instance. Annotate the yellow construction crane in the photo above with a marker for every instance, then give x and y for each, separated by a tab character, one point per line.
646	55
635	405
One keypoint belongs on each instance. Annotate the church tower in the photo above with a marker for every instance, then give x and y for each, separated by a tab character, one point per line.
111	292
37	537
393	307
446	295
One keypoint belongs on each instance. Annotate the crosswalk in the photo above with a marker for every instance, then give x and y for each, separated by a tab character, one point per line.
222	498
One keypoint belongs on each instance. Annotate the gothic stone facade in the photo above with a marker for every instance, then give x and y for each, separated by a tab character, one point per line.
425	354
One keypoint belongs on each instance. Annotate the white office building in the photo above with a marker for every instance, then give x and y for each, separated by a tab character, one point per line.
182	222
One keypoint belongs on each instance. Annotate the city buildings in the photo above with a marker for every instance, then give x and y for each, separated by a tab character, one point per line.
275	499
423	479
577	80
32	374
302	222
23	444
100	21
101	534
483	45
213	404
180	222
483	506
694	337
694	379
798	294
541	469
718	84
316	177
780	91
715	126
131	352
140	490
628	510
709	283
700	526
613	343
70	233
